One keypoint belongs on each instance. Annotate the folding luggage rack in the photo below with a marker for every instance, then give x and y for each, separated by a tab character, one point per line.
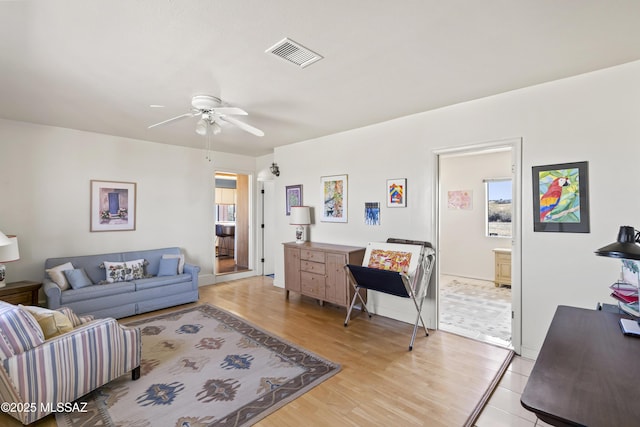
413	286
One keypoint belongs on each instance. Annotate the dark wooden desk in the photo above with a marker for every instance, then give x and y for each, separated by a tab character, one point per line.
587	372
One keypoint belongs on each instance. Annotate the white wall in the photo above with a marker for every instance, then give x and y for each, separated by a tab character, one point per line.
44	188
465	250
592	117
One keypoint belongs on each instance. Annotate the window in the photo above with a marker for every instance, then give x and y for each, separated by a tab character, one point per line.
498	192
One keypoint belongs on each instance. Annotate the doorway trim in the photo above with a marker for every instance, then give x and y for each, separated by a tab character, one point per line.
251	223
515	144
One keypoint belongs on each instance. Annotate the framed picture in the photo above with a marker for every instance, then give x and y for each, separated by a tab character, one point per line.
334	198
560	197
460	199
293	197
397	193
113	206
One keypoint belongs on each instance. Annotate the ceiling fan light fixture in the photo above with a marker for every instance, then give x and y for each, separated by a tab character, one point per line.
201	127
215	128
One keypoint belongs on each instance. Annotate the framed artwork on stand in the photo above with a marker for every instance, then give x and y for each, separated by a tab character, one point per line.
334	198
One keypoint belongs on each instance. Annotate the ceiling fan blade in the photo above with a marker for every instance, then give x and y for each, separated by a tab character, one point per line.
243	126
173	119
230	110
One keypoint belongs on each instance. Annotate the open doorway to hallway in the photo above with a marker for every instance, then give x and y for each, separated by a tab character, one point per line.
475	242
232	223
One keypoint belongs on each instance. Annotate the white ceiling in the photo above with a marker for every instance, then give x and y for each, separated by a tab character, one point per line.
97	65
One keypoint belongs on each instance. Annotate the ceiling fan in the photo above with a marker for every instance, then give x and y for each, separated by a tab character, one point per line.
212	114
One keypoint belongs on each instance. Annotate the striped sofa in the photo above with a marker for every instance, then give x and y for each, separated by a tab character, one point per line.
38	376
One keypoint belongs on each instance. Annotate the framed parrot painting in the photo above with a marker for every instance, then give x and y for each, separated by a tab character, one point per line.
560	197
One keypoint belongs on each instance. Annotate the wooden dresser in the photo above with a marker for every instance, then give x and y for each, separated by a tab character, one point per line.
317	270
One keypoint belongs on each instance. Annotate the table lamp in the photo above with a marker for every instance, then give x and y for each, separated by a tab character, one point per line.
300	216
8	252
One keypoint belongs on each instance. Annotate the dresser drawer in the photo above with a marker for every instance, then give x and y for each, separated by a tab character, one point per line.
312	284
312	267
309	255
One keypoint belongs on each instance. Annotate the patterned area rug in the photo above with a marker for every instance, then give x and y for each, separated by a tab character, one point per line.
476	309
203	366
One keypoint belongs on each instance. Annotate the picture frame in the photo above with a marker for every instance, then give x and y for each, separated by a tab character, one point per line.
334	198
397	193
293	197
113	206
561	197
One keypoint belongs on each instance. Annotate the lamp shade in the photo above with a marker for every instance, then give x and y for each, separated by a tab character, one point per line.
10	252
626	246
300	215
4	240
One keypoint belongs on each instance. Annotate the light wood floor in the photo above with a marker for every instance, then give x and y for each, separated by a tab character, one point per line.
381	383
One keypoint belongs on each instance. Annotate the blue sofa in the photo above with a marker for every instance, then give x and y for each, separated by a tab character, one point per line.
125	298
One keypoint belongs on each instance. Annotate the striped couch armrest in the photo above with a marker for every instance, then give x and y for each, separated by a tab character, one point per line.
71	365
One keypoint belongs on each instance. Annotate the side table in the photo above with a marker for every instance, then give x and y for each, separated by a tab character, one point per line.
23	292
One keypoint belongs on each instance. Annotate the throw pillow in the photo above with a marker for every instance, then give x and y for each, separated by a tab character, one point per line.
168	267
124	271
52	323
115	271
69	314
137	268
55	274
19	331
180	264
77	278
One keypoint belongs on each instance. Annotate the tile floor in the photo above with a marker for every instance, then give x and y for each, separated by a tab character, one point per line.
504	408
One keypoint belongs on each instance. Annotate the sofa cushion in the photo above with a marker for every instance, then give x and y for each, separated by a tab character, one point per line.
98	291
77	278
168	267
56	274
154	282
52	322
19	331
73	318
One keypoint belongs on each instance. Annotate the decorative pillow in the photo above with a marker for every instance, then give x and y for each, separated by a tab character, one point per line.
124	271
180	264
77	278
55	274
69	314
52	323
19	331
168	267
137	268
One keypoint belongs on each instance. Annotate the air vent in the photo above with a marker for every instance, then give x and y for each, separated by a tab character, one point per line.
294	52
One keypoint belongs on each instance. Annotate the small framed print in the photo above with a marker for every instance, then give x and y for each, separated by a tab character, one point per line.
293	196
113	206
397	193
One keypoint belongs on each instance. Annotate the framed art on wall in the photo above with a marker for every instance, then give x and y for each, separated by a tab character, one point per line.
397	193
113	206
561	198
293	197
334	198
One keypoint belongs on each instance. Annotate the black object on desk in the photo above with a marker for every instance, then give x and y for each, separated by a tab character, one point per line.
587	372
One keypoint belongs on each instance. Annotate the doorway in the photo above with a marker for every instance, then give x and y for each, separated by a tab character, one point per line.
231	242
474	241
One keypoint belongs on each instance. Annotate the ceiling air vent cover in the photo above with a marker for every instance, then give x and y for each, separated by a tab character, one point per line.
294	52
